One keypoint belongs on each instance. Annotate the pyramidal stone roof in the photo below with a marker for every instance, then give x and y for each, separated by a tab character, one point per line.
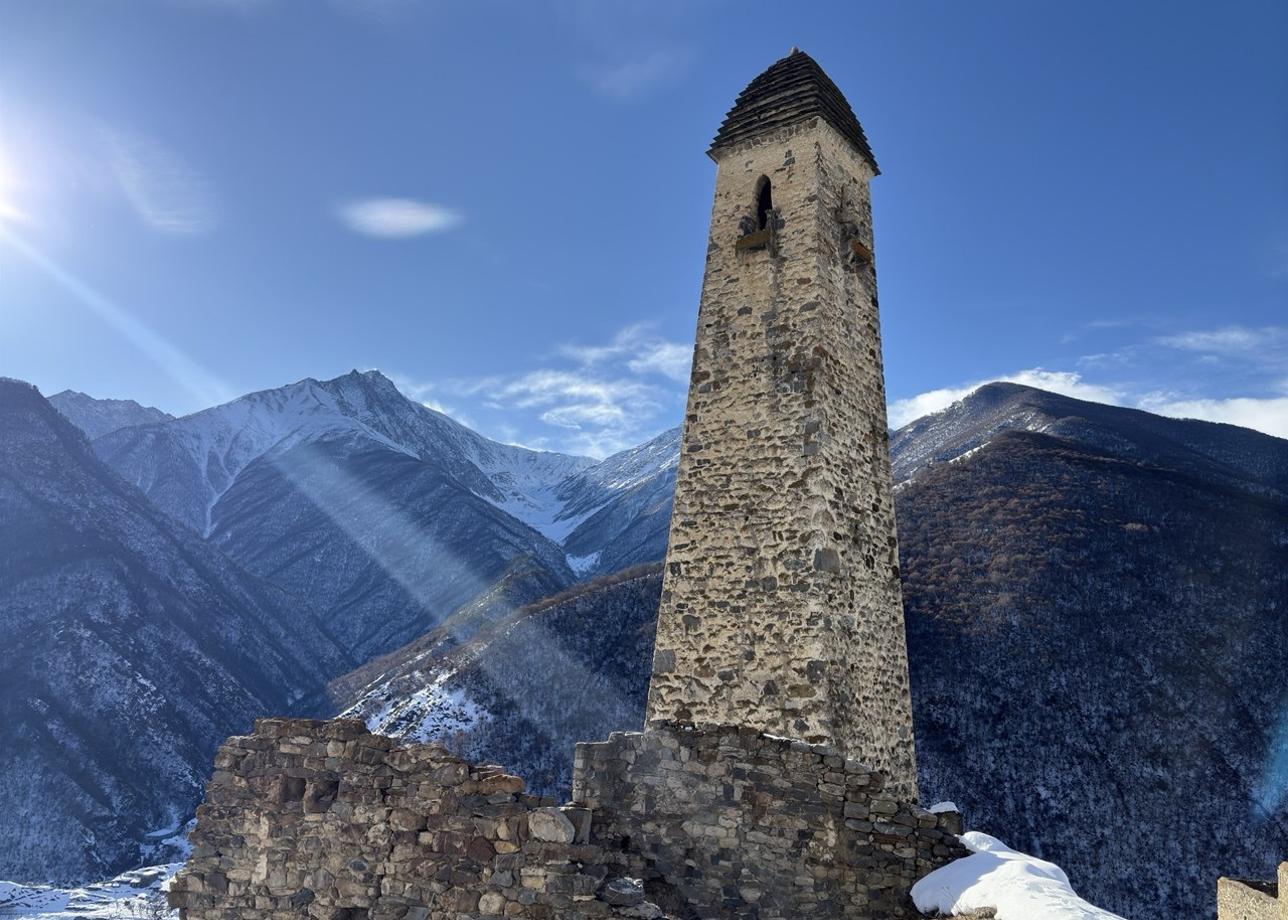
791	90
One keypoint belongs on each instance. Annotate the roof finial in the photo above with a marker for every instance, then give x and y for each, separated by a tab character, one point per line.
794	50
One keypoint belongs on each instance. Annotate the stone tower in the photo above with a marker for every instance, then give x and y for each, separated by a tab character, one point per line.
781	605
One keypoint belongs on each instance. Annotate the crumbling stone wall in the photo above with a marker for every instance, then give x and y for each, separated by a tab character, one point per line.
1240	899
730	822
308	819
781	603
325	820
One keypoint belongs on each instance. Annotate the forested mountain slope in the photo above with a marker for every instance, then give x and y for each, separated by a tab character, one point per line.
130	650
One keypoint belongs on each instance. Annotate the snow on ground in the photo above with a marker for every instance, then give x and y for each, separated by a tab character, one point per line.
432	713
583	564
1019	886
540	509
135	895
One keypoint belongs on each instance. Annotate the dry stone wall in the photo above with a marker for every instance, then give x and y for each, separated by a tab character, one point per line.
781	604
308	819
730	822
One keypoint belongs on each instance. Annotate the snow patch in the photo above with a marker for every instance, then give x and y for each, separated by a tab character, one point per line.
433	713
1018	886
583	564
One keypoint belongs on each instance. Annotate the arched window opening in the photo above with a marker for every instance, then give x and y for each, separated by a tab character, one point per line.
764	204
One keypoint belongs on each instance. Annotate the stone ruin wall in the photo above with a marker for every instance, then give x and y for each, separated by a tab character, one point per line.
325	820
781	604
308	819
1239	899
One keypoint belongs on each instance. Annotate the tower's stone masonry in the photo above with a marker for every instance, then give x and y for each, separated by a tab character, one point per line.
781	605
1244	899
324	820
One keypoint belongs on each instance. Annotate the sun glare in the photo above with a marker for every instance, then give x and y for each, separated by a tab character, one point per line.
8	189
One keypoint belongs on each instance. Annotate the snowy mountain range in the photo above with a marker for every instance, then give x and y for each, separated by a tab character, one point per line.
381	514
173	578
1094	600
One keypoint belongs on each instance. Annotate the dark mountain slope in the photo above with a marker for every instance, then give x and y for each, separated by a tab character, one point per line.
1097	665
522	691
382	544
130	650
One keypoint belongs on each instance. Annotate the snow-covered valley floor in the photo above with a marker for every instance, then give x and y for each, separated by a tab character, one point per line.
135	895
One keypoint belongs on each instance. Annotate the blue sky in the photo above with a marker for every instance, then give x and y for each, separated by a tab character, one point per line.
504	205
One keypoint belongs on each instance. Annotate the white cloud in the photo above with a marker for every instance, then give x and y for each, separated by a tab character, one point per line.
591	399
635	76
164	190
1268	415
1067	383
1230	340
571	400
641	350
396	218
670	359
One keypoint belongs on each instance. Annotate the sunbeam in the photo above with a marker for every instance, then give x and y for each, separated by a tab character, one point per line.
1272	791
203	386
396	543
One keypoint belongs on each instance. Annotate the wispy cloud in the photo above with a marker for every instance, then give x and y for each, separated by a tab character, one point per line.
638	75
396	218
642	351
165	191
1067	383
1230	340
590	399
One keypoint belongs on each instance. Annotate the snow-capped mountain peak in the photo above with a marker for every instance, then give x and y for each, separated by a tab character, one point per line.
187	464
